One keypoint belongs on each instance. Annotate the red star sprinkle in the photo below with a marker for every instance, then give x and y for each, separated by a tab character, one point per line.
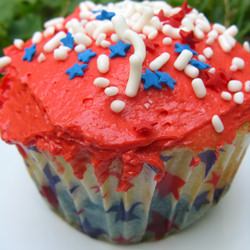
189	38
151	46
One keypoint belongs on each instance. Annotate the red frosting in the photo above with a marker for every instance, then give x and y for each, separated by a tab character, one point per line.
40	106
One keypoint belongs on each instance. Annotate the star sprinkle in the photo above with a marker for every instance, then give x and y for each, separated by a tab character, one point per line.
199	65
105	15
119	49
188	37
209	158
52	179
68	41
90	230
122	214
180	47
150	79
29	53
76	70
151	45
166	79
201	200
86	55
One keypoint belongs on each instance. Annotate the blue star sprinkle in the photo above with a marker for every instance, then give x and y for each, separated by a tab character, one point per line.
119	49
165	78
105	15
52	179
29	53
199	65
68	41
76	70
180	47
90	230
150	79
122	214
209	158
201	200
86	55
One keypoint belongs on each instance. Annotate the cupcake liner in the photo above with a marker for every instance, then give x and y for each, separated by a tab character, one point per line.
193	183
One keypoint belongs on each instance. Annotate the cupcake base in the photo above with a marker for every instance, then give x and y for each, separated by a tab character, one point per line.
192	184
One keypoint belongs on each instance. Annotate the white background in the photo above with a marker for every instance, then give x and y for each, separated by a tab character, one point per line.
26	223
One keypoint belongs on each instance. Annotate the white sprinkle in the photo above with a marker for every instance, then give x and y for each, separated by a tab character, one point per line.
159	61
191	71
41	58
146	105
114	38
202	58
74	26
111	91
183	60
100	38
4	61
213	34
105	44
153	35
232	30
50	31
238	62
147	15
101	82
167	40
155	22
234	86
103	63
187	23
219	28
18	43
81	38
224	43
171	31
199	33
54	42
217	124
247	86
79	48
199	88
61	53
208	52
246	46
210	40
226	96
37	37
233	68
238	98
53	22
117	106
212	70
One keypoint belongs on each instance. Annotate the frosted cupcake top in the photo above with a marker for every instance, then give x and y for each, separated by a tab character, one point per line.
125	76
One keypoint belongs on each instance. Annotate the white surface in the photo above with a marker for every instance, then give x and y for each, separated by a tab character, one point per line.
26	223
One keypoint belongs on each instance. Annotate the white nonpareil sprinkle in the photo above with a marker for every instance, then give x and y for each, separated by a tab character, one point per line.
103	27
217	124
111	91
49	31
147	15
234	86
199	33
171	31
238	97
238	62
117	106
183	59
101	82
37	37
202	58
4	61
191	71
212	70
199	88
54	42
79	48
219	28
226	96
233	68
41	58
246	46
61	53
103	63
100	38
167	40
54	22
81	38
114	38
247	86
232	30
18	43
208	52
225	44
210	40
105	44
159	61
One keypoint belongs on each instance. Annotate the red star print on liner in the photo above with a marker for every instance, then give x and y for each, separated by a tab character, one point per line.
122	240
160	225
195	162
96	189
80	211
170	184
214	179
47	193
189	38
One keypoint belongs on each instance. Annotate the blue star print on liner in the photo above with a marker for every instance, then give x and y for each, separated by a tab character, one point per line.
86	55
119	49
68	41
199	65
105	15
201	200
90	230
29	53
180	47
166	79
76	70
150	79
53	180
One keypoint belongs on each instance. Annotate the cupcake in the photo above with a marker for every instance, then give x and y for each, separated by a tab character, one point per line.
132	118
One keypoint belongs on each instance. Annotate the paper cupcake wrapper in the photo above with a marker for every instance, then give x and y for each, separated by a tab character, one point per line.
193	183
